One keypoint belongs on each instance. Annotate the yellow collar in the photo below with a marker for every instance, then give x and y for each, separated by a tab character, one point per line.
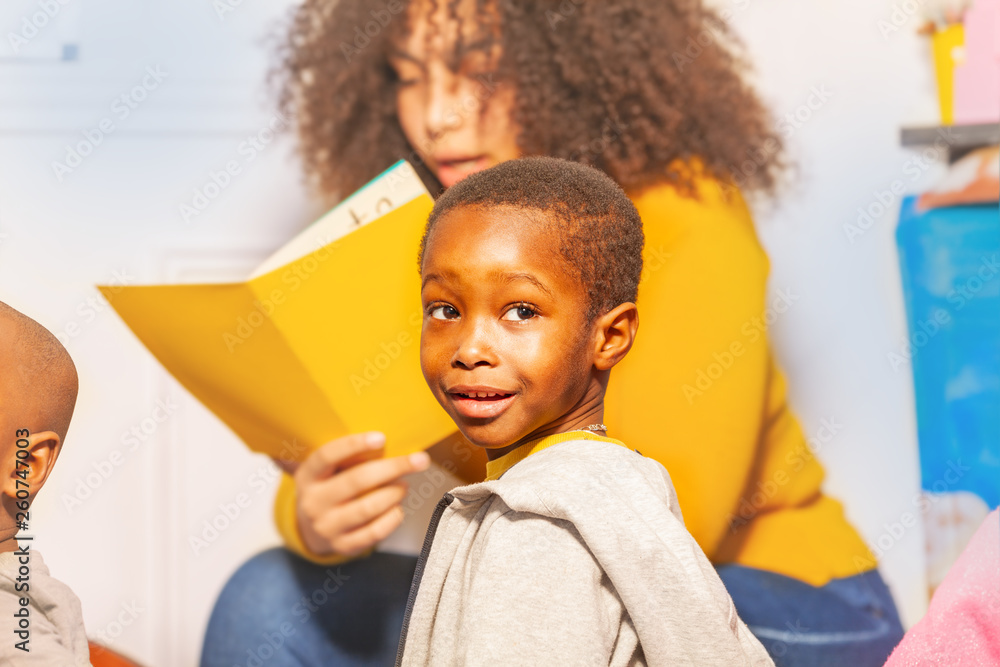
499	466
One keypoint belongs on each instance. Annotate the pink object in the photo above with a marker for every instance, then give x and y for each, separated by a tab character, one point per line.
977	80
962	625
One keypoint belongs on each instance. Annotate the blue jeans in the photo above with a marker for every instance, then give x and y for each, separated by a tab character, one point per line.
279	610
849	622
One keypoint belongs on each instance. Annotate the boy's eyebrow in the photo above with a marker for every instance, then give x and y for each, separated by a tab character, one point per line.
508	277
436	277
502	276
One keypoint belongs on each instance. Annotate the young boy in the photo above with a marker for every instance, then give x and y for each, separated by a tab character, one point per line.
573	551
41	621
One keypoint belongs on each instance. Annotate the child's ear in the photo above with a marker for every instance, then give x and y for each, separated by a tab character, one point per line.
615	331
32	464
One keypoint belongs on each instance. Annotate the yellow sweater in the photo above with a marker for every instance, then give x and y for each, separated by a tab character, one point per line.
701	394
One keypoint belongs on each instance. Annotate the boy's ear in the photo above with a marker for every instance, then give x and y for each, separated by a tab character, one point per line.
615	332
29	470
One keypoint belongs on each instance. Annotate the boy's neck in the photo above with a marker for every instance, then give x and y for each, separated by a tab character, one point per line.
8	539
574	420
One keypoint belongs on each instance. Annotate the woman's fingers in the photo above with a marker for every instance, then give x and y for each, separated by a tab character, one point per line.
345	485
370	534
362	510
325	460
348	497
364	477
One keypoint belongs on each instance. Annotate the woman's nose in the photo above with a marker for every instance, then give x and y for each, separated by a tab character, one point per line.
442	111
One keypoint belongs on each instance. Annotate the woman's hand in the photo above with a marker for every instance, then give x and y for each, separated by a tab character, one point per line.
348	496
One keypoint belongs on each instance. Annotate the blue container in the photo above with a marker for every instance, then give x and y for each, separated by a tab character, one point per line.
950	262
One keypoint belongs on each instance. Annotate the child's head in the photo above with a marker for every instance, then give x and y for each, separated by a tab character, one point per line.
632	87
529	274
38	386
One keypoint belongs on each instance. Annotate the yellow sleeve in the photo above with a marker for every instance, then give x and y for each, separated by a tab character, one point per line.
691	393
286	520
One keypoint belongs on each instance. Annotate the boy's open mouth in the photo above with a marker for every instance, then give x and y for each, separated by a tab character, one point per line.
489	395
476	403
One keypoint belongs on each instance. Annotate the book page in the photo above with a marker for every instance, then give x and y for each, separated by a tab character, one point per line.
397	185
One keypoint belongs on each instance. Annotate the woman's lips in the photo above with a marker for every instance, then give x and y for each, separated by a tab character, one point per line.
473	405
452	171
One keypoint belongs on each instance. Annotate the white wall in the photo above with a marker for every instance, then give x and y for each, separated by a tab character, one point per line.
117	214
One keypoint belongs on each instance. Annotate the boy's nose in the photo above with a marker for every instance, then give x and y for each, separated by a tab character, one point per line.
474	350
469	357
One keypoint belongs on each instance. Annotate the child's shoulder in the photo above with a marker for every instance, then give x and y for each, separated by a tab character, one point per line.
573	478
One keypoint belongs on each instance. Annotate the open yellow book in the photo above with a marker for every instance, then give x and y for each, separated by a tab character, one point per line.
322	340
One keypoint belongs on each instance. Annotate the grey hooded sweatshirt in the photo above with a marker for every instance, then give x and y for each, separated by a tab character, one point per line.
576	555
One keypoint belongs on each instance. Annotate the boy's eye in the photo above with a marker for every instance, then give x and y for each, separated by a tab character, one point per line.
444	313
519	313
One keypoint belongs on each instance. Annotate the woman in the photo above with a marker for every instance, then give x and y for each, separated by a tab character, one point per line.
646	91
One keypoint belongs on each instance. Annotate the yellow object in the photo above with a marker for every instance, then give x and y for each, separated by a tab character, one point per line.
947	47
320	347
701	394
500	465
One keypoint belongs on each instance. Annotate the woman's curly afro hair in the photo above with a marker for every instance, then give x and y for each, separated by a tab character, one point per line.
636	88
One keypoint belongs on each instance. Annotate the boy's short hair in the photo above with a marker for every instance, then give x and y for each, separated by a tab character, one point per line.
600	231
42	373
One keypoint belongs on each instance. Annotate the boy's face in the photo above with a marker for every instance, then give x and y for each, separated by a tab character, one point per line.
505	345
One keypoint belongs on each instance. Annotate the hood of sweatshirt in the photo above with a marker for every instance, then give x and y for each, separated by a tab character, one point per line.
625	508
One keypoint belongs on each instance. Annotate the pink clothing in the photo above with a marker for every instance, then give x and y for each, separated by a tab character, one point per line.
962	625
977	79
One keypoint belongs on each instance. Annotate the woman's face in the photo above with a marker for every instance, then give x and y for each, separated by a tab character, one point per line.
459	122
